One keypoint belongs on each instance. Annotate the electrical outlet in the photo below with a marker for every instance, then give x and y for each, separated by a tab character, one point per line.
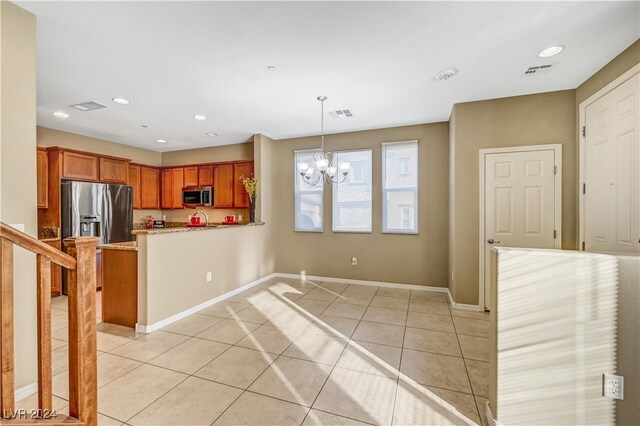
354	261
612	386
209	277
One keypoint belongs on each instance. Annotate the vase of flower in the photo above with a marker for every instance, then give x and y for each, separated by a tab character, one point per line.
250	184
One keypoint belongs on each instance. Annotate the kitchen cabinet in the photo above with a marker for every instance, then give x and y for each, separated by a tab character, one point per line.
205	175
79	166
172	184
149	188
56	271
190	176
223	186
120	287
134	181
114	170
43	178
240	198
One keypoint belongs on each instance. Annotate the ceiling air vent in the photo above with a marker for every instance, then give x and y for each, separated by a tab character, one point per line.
341	113
88	106
539	70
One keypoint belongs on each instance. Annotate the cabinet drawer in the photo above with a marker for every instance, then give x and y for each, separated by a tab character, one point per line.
79	166
113	170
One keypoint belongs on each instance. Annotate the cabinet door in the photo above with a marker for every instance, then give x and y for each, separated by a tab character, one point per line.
113	170
177	183
167	189
134	181
240	198
149	188
223	186
79	166
43	178
205	175
190	177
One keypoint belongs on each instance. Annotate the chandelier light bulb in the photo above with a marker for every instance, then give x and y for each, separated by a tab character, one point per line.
331	171
322	164
303	167
309	172
344	167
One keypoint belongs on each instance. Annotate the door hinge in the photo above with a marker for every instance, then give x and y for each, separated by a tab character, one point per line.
555	234
584	131
584	188
555	170
583	249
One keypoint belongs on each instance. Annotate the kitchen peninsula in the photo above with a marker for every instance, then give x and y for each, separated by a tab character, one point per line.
181	270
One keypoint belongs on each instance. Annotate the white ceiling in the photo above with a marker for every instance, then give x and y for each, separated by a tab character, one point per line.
176	59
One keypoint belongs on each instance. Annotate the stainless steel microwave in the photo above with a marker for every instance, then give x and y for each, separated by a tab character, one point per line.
198	196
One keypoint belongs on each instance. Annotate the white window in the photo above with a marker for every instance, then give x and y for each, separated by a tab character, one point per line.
400	187
308	199
352	198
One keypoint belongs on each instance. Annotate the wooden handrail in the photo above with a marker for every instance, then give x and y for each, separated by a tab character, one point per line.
83	389
38	247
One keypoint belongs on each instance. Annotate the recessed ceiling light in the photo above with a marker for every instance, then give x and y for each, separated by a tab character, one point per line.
200	117
446	74
551	51
213	135
61	114
161	141
271	68
121	101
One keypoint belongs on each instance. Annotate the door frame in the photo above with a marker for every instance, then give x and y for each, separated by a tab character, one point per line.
582	145
557	148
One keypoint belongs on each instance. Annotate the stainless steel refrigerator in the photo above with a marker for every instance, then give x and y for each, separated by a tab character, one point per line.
96	209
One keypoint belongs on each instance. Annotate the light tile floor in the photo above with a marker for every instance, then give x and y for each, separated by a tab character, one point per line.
292	352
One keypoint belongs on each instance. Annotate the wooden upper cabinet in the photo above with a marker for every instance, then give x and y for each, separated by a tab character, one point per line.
79	166
223	186
240	198
43	178
149	188
190	176
205	175
166	199
114	170
177	183
134	181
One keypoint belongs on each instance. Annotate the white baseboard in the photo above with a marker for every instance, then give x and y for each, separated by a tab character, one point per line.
489	414
363	282
165	322
26	391
462	306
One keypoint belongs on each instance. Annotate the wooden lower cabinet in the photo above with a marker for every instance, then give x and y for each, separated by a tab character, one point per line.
223	186
120	287
149	188
56	272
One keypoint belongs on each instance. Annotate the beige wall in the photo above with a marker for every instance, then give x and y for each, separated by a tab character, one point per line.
628	410
523	120
239	151
18	172
410	259
51	137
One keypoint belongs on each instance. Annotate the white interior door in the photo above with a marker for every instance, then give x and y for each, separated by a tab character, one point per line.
611	214
520	203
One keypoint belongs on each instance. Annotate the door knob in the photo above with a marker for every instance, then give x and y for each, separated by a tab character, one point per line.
491	241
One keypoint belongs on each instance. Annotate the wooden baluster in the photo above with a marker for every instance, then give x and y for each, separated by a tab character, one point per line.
7	400
83	389
44	333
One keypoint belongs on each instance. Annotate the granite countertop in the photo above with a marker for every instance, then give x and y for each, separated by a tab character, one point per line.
190	229
49	240
124	246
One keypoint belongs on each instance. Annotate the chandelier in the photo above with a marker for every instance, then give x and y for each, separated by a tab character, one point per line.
323	167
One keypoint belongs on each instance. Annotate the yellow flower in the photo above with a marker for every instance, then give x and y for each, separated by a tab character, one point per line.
250	184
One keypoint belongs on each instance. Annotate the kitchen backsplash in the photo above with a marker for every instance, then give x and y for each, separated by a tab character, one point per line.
180	216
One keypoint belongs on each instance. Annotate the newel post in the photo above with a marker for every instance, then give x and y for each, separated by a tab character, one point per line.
81	288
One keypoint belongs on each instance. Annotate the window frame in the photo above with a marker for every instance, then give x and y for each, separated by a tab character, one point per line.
296	193
334	192
415	190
